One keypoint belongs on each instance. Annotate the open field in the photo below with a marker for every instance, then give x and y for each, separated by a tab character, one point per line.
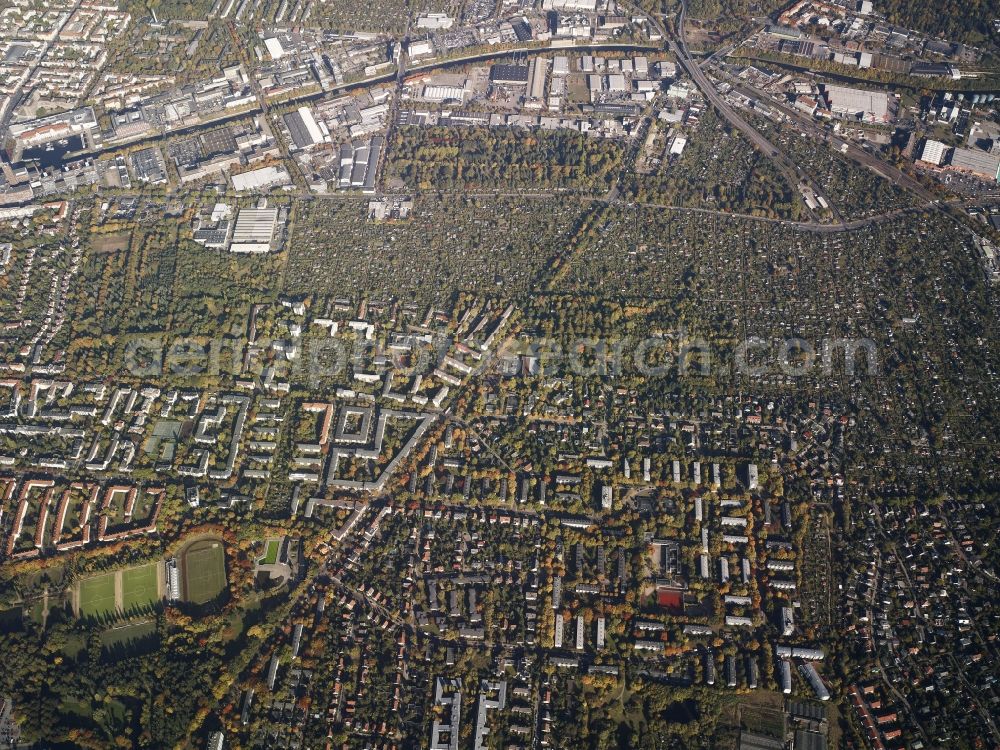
140	587
119	592
97	596
203	565
110	243
128	637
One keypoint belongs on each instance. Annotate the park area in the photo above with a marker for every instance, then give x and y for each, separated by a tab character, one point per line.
203	567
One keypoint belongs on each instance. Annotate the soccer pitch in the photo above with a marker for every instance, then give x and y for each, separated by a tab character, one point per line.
120	592
204	564
97	596
140	587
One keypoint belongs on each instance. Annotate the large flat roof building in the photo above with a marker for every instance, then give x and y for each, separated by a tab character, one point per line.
934	152
509	74
259	179
254	230
149	166
303	128
442	93
872	106
274	47
435	21
582	5
419	48
980	163
539	72
372	169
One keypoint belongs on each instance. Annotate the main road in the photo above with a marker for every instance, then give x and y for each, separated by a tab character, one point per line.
679	47
875	163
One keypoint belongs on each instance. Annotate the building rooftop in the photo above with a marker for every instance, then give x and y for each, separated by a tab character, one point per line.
870	104
254	230
982	163
509	73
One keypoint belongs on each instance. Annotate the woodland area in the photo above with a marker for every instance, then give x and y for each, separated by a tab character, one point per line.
720	169
488	158
967	21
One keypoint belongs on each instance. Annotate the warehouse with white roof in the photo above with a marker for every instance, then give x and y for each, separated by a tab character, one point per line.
933	152
304	129
254	230
871	106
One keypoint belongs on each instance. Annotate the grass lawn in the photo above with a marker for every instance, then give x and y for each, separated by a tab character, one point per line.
126	635
76	708
36	612
271	553
74	645
144	505
97	596
139	587
204	570
110	243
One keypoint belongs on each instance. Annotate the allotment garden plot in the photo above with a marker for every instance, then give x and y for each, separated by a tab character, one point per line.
448	244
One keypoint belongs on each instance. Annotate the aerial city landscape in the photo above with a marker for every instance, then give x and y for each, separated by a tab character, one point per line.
500	374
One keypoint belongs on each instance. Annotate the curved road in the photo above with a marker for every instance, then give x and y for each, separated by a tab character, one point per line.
707	88
842	146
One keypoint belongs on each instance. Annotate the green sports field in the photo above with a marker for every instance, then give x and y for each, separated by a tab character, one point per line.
97	596
204	571
271	553
140	587
137	590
